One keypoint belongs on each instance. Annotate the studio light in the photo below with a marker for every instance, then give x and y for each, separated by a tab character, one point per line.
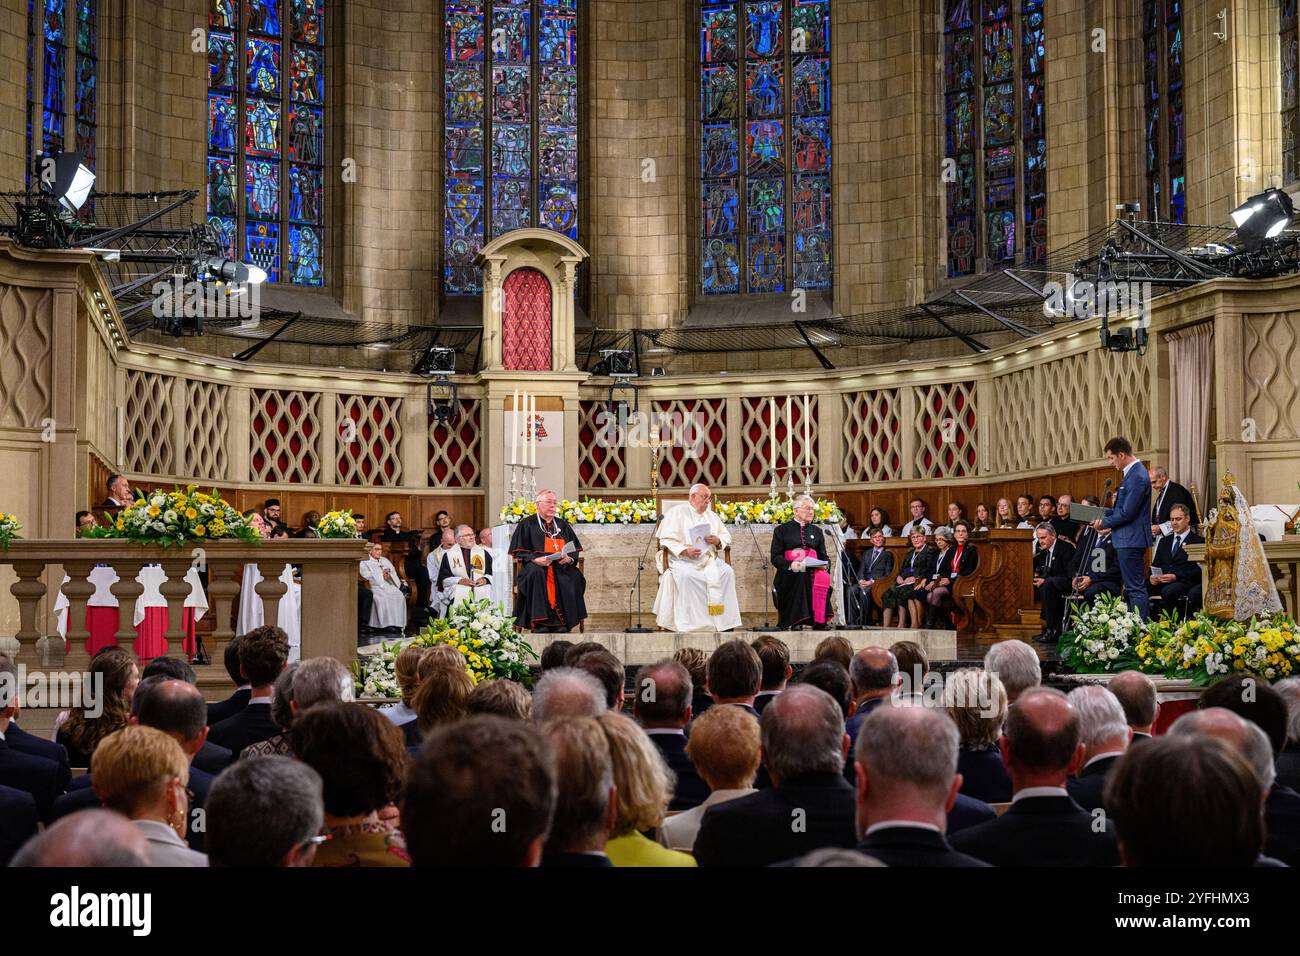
1263	216
228	270
616	363
73	180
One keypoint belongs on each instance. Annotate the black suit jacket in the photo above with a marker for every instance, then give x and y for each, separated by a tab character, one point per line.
918	564
803	814
251	725
43	779
1066	528
232	705
1175	494
1087	789
1175	561
968	812
17	821
1056	563
970	560
1282	821
984	776
913	846
1042	831
212	759
26	743
1288	768
874	570
691	791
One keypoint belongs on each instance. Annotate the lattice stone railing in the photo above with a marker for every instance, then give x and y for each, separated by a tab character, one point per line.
206	430
147	437
455	449
369	446
682	464
945	424
756	437
871	436
285	436
602	458
1124	397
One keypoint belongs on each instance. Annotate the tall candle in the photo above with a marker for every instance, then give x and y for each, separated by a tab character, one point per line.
532	427
789	435
514	432
807	446
771	418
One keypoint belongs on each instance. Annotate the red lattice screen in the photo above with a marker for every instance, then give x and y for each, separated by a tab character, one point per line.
454	449
757	426
284	437
601	463
946	430
526	322
681	467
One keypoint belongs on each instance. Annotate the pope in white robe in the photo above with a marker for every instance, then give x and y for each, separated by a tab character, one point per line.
389	606
697	591
466	570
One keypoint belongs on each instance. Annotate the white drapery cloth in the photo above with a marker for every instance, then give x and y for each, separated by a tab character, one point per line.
389	606
151	577
695	594
1191	388
289	617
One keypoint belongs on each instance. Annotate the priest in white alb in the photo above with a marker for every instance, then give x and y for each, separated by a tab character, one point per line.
697	591
389	607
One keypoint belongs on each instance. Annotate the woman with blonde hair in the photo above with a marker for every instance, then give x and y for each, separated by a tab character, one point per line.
113	678
644	785
1005	517
977	703
143	773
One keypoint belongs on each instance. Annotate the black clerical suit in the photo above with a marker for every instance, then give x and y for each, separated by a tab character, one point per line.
875	566
1172	494
1170	556
533	607
1066	528
793	589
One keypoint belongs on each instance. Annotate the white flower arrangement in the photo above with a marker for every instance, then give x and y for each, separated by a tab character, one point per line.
1102	636
337	524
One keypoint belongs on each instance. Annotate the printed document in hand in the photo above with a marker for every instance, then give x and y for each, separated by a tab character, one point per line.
568	549
813	563
697	534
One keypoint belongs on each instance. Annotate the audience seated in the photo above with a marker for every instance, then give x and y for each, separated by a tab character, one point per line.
873	674
586	807
32	766
237	701
1105	734
1136	693
1288	760
907	593
553	655
143	774
1186	801
1061	522
265	813
917	508
502	698
907	780
836	648
725	750
91	838
913	665
827	675
959	560
567	692
263	652
662	705
405	671
362	763
1025	517
643	787
1043	826
877	564
696	663
1053	573
282	711
1016	664
481	792
115	670
18	821
442	698
809	804
977	703
1180	576
606	668
735	675
774	655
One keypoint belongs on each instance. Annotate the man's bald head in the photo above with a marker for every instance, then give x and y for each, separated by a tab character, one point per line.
1243	736
176	707
1137	695
874	671
1041	735
96	837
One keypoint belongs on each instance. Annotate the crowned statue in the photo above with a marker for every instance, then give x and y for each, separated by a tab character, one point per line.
1238	582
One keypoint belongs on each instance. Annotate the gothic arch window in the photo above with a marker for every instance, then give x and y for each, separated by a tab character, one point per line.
526	321
266	134
1162	100
995	133
765	146
510	126
62	57
1290	94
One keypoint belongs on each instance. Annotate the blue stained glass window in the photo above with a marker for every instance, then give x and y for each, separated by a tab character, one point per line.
1162	86
764	155
266	134
994	127
84	100
1290	43
510	81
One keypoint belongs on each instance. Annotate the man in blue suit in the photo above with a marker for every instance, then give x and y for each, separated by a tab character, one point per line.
1129	521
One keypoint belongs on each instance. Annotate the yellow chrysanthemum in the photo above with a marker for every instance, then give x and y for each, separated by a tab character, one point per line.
200	530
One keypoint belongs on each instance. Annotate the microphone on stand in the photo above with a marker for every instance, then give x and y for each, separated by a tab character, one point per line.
636	586
767	627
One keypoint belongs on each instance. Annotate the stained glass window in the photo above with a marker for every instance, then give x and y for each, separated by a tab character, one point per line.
62	67
511	85
995	133
765	197
1162	101
1290	100
266	134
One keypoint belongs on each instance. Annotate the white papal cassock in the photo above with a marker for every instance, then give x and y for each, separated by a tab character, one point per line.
453	569
695	594
389	606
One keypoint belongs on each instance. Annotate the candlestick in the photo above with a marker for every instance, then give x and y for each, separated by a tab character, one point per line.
807	482
789	484
514	432
789	435
807	446
771	419
532	429
772	493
